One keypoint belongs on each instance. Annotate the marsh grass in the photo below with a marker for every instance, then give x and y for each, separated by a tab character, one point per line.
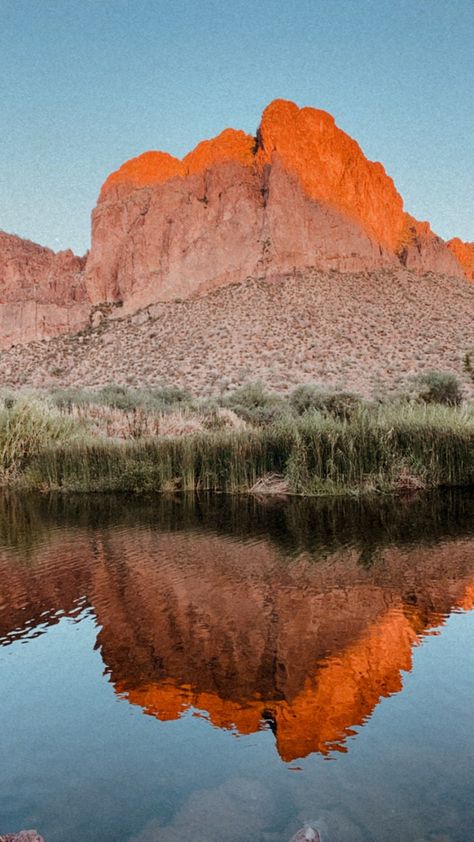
376	449
26	428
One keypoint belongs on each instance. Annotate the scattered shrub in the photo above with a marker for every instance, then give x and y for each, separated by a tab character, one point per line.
310	397
254	404
439	387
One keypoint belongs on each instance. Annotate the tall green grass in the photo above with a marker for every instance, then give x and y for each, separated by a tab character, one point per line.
375	449
26	428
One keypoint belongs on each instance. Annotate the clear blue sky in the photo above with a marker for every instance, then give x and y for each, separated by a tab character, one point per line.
86	84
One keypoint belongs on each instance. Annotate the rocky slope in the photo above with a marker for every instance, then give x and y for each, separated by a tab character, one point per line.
299	195
364	331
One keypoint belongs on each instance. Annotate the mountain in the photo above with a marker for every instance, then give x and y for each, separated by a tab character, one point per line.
299	195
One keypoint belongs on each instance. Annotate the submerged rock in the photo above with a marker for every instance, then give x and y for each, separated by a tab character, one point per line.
23	836
307	834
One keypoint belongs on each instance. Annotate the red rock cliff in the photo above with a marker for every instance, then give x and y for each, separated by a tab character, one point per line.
41	293
464	253
301	193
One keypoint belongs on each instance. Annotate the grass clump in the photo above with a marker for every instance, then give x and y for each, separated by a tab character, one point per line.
28	427
379	450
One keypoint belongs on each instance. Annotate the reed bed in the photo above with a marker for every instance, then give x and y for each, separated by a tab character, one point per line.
384	448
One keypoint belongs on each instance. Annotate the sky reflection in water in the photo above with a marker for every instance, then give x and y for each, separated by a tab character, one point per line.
274	647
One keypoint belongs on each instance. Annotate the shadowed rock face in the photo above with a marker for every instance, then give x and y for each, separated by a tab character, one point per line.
41	293
300	636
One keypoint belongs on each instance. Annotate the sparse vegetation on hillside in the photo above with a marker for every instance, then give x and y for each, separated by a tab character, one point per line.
364	333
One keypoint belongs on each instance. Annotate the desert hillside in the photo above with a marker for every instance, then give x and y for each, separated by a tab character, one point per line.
367	331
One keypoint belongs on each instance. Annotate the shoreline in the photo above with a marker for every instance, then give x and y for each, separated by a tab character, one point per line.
311	443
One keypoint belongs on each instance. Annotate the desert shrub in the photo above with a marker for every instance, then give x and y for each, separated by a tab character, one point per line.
249	396
67	398
439	387
152	399
121	397
254	404
118	397
7	399
311	397
169	395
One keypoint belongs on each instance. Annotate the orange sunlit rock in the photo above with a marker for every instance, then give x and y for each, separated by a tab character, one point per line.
152	168
144	170
229	145
332	168
464	253
301	193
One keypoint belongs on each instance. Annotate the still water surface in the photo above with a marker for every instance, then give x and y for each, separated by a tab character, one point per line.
221	670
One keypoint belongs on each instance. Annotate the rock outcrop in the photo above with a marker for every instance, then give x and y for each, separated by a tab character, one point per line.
42	293
464	254
420	250
299	194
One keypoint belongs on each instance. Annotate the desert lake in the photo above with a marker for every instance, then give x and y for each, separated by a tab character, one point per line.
223	669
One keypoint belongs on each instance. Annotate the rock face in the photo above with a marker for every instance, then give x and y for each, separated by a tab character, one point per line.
41	293
420	250
464	253
301	193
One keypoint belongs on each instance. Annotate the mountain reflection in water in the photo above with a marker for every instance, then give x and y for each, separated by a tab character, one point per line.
296	616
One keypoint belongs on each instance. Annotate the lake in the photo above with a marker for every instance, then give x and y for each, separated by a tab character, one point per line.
222	669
